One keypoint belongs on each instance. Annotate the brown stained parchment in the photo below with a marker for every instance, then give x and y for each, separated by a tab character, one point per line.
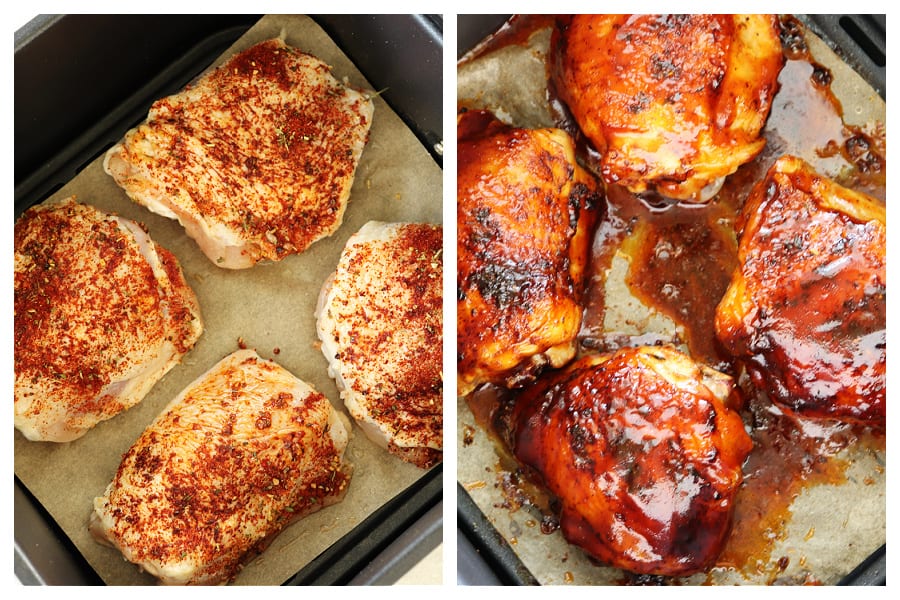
271	307
832	528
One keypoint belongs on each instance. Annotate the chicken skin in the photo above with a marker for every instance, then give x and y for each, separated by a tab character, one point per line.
806	309
241	453
255	159
380	323
642	453
525	215
672	103
101	314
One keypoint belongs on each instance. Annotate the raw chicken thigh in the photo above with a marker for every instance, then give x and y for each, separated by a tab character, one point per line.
255	159
101	314
242	452
380	322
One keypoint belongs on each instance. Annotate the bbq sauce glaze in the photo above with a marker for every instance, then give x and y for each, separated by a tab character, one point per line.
681	260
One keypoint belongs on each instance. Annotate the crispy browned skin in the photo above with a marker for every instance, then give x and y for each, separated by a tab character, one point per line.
525	212
672	102
642	453
806	310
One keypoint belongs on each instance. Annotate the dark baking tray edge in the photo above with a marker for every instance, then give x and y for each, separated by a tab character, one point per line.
485	558
484	555
94	137
408	527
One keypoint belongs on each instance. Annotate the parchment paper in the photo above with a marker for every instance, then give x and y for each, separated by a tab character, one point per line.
832	528
269	306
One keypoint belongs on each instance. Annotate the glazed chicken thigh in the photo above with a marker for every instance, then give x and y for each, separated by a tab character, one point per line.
806	309
672	103
642	453
525	214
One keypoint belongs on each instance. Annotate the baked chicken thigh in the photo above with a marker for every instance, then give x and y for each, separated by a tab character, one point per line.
255	159
525	215
101	314
379	318
673	103
642	452
806	309
241	453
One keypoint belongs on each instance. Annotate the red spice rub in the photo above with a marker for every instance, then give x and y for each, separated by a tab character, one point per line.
256	159
245	450
101	313
380	323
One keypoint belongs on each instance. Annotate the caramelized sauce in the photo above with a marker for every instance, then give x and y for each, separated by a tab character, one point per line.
515	31
516	485
682	256
789	454
681	260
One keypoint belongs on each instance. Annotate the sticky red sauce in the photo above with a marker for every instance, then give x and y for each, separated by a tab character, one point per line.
789	455
682	262
681	266
682	258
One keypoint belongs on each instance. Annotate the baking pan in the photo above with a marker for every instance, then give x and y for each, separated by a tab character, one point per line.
80	83
485	555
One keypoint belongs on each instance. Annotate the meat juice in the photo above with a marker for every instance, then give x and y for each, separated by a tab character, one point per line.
681	260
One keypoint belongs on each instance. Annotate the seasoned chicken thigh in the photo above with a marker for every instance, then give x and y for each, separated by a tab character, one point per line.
673	103
806	309
101	314
525	216
255	159
242	452
642	453
380	321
